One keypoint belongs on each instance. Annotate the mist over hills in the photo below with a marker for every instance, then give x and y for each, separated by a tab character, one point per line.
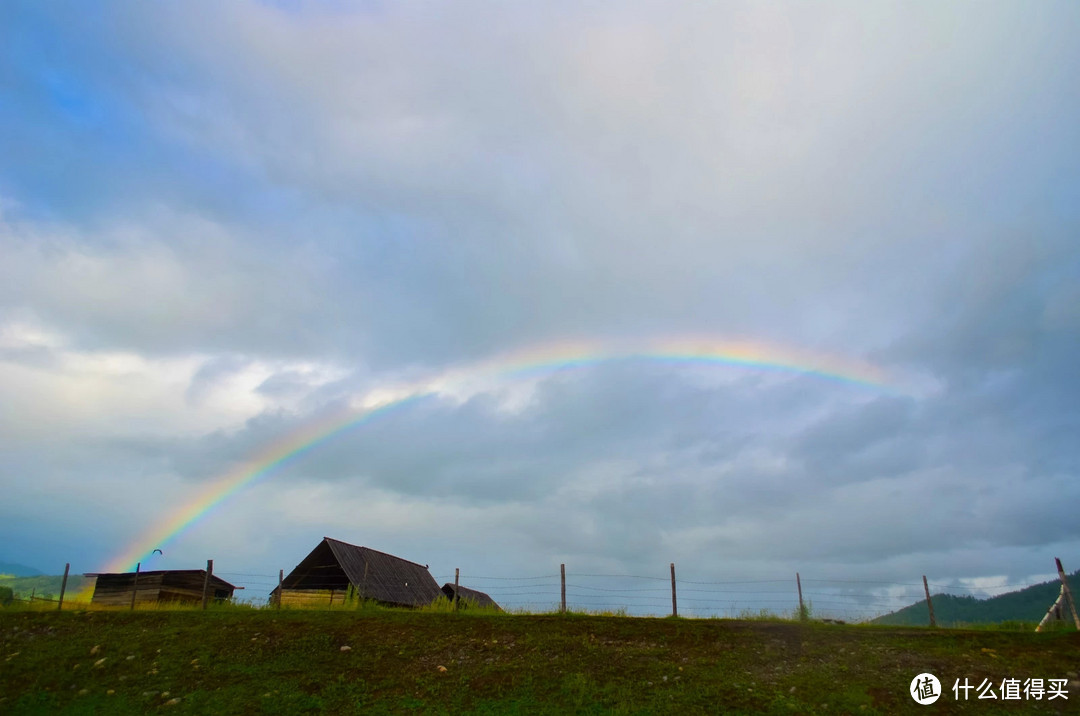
1026	605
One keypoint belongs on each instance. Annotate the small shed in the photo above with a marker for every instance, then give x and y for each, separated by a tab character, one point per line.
469	597
335	572
172	585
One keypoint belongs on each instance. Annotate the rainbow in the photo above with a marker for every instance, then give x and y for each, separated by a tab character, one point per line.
533	362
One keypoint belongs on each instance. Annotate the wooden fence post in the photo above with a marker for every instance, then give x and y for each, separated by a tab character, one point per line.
562	574
280	579
1068	592
674	603
1054	612
802	609
135	585
63	587
929	604
457	598
206	582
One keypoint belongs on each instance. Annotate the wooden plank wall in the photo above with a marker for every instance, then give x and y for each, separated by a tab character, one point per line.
312	597
117	592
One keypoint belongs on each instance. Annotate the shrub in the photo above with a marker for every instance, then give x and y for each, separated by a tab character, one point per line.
6	596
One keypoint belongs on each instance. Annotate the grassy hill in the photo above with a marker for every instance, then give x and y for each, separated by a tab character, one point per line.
1026	605
43	585
233	660
12	569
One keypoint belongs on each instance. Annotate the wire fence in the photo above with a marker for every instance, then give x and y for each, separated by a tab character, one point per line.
845	600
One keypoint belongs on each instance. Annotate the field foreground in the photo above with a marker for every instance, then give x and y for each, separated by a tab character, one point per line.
249	661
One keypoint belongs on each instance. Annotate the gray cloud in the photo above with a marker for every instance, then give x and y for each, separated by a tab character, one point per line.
222	224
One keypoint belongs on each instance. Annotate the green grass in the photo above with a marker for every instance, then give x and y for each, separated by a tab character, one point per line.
245	660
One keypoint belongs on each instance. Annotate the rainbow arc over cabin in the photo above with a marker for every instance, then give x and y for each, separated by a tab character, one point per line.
533	362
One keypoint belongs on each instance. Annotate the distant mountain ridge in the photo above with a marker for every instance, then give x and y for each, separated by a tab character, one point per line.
19	570
1026	605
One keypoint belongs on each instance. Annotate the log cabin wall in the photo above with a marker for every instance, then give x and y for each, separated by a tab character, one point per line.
313	597
158	586
115	589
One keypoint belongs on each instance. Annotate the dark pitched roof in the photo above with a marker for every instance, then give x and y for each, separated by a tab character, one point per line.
478	598
168	576
334	564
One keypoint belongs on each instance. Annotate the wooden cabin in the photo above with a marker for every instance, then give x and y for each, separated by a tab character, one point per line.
172	585
336	572
469	597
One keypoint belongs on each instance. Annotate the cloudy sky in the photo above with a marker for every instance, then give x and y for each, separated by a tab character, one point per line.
221	223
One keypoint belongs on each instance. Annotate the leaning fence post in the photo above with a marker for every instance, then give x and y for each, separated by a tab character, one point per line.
802	609
1068	592
562	574
135	585
206	581
457	599
674	603
929	604
63	587
280	579
1054	611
